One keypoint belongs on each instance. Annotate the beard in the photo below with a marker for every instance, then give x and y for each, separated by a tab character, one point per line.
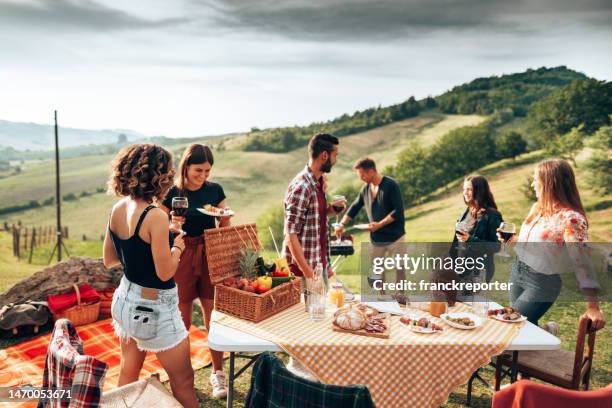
327	166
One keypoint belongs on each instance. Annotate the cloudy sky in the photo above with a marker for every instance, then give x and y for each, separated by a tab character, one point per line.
198	67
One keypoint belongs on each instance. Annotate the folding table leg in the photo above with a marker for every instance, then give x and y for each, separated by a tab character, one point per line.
230	391
469	389
513	367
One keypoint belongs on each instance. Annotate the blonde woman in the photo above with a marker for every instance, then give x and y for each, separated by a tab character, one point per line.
556	220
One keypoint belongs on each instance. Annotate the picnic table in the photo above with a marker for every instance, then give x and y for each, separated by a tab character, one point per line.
238	342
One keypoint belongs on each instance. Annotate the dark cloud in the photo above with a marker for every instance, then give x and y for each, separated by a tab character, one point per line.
359	20
70	15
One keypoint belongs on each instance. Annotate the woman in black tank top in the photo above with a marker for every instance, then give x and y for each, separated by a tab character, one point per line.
145	305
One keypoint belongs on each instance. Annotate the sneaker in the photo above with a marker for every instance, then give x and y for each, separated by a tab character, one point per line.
217	380
552	328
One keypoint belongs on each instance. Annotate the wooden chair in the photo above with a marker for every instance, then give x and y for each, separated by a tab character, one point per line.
563	368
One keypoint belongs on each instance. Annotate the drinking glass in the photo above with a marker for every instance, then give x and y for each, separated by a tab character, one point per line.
339	205
461	227
507	230
180	206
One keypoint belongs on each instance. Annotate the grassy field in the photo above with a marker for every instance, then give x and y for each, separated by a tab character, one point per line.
253	181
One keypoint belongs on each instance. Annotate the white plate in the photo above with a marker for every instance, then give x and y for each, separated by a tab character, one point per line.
361	226
500	317
420	329
226	213
476	319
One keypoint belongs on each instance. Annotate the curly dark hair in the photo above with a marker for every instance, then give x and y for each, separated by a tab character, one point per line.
141	171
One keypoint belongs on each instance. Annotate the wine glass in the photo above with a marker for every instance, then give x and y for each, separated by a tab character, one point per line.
180	206
461	228
339	205
506	230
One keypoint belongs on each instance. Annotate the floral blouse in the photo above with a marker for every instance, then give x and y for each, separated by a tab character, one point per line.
557	230
563	226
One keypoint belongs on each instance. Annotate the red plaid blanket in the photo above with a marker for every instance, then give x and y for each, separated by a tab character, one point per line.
67	367
59	303
24	363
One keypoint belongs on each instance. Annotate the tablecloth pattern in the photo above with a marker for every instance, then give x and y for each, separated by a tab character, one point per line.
406	370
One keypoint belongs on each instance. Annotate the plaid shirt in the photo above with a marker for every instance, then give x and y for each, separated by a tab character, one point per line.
67	368
302	218
273	386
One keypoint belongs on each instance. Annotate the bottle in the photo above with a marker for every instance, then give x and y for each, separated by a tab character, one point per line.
336	295
437	308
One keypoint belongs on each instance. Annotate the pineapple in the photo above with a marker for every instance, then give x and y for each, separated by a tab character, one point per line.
247	264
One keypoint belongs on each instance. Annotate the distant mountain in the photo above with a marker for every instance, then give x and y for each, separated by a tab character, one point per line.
34	136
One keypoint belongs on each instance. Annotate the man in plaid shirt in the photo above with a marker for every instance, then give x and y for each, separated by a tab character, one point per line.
306	210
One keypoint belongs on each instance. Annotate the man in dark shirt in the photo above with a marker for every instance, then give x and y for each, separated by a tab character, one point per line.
383	203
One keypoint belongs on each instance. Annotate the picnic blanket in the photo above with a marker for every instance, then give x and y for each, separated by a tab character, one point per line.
406	370
24	363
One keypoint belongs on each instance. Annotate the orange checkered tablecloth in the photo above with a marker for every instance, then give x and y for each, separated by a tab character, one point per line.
406	370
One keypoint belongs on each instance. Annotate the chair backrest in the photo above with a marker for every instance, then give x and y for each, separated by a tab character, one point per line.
273	385
583	360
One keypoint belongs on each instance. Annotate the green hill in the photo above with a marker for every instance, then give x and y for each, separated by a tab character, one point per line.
516	92
253	181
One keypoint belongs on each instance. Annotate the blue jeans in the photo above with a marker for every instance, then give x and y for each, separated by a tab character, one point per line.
532	293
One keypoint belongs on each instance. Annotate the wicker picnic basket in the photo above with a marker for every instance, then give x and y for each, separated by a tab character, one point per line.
80	314
223	252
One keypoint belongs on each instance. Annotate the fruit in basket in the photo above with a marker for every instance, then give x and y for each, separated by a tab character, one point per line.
249	288
281	273
243	283
230	282
247	263
264	284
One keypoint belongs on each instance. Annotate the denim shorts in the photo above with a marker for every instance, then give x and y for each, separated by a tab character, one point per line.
155	325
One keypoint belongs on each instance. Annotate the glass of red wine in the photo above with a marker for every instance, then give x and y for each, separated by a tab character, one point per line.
180	206
506	230
339	205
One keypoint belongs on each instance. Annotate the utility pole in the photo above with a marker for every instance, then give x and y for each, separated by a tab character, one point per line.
58	204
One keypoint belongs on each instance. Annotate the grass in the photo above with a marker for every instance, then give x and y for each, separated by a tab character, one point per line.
264	175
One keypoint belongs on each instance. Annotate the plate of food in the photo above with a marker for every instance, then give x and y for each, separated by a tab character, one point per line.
216	211
420	325
362	320
507	315
462	320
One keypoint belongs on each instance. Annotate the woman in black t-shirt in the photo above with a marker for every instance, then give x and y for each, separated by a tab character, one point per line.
192	277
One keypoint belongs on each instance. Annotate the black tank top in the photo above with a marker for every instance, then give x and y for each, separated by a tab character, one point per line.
137	258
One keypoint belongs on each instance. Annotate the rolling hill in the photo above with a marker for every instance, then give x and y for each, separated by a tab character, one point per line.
253	181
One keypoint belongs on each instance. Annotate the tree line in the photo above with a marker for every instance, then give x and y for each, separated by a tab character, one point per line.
284	139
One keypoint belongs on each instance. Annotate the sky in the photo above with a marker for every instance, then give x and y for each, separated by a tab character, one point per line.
185	68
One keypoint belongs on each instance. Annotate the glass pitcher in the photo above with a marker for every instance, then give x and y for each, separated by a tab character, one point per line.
317	294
